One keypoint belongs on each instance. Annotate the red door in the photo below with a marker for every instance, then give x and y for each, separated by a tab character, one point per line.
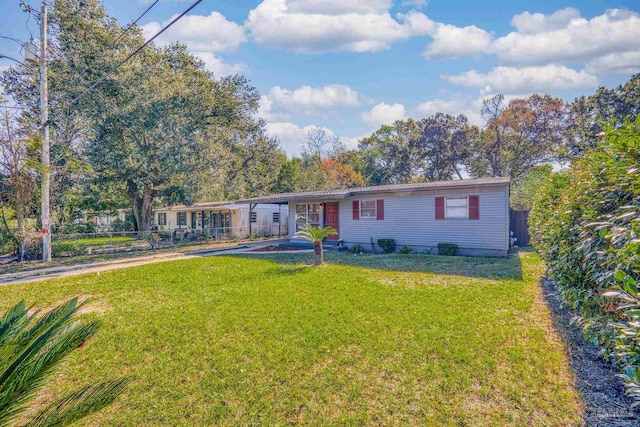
331	218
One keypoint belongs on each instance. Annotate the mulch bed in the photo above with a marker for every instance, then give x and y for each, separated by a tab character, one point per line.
277	249
602	392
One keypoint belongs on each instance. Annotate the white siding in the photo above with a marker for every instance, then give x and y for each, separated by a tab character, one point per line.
410	220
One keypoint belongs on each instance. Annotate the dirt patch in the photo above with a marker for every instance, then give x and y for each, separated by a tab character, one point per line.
602	392
276	249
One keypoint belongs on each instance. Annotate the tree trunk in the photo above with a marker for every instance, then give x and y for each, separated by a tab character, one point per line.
317	253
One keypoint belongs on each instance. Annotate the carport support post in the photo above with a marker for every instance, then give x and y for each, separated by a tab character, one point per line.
252	206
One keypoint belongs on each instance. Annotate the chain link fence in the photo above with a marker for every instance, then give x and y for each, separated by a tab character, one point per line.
76	244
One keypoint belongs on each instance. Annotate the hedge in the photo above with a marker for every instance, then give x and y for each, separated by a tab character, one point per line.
585	223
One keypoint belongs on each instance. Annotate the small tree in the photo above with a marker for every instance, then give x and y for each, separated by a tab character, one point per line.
316	235
32	346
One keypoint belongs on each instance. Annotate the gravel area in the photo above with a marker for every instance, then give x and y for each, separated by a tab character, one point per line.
602	392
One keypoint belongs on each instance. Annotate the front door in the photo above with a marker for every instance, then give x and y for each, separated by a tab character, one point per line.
331	218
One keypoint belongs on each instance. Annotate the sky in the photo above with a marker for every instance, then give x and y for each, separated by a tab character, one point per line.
350	66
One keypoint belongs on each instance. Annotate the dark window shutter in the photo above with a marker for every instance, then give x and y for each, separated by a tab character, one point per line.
474	207
439	207
380	209
356	209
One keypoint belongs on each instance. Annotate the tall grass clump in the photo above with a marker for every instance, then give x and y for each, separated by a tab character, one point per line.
585	223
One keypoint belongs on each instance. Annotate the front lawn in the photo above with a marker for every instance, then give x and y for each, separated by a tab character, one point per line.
263	340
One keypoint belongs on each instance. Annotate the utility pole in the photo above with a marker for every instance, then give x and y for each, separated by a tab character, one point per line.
44	119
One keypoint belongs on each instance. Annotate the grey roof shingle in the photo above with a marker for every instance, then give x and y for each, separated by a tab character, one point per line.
395	188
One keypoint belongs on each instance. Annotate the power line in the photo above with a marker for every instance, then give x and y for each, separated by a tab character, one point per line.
133	23
104	77
12	39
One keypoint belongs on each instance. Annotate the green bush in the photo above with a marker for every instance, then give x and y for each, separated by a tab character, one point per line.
356	248
406	250
387	245
66	248
449	249
585	223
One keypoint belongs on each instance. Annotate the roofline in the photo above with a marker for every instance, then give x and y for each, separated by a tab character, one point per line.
499	182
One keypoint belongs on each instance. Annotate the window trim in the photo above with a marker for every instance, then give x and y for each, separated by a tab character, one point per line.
375	208
456	197
162	222
181	223
306	213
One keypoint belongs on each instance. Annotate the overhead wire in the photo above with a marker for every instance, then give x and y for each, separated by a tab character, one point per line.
135	52
126	30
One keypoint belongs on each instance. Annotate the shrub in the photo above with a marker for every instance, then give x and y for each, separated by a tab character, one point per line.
449	249
33	345
387	245
406	250
585	223
356	248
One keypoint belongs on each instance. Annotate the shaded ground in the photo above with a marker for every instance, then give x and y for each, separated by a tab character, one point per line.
277	249
481	267
605	403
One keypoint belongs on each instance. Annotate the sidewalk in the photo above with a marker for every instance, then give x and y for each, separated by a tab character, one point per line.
96	267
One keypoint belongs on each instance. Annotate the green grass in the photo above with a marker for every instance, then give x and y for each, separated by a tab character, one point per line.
264	340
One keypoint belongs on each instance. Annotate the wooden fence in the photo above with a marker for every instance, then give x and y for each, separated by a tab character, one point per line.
520	227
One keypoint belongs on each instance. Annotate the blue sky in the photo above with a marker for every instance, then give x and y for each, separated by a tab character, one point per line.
350	66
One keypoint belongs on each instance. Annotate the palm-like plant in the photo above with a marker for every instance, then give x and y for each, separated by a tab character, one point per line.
31	347
316	235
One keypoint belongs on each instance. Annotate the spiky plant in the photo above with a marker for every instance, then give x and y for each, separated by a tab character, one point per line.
316	235
32	345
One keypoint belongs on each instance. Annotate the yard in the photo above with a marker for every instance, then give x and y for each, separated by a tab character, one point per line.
369	340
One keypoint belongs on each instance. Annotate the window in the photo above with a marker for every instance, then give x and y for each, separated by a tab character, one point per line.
276	218
457	207
162	219
307	213
367	208
254	216
182	219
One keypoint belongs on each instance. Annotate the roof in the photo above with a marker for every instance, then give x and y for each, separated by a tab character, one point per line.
198	206
396	188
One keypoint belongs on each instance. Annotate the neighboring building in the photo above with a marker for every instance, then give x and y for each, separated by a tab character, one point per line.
224	219
103	220
472	213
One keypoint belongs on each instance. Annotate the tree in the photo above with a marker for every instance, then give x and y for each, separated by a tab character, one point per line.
387	154
525	187
16	169
589	114
316	235
518	136
289	177
430	149
32	347
442	146
338	175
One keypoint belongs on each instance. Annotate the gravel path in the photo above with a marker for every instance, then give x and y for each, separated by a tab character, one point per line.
601	390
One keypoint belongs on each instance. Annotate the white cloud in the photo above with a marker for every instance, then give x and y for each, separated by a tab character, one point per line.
292	137
615	63
534	23
338	7
307	97
218	67
383	114
212	33
204	36
453	42
580	40
563	38
456	105
527	79
317	26
415	3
